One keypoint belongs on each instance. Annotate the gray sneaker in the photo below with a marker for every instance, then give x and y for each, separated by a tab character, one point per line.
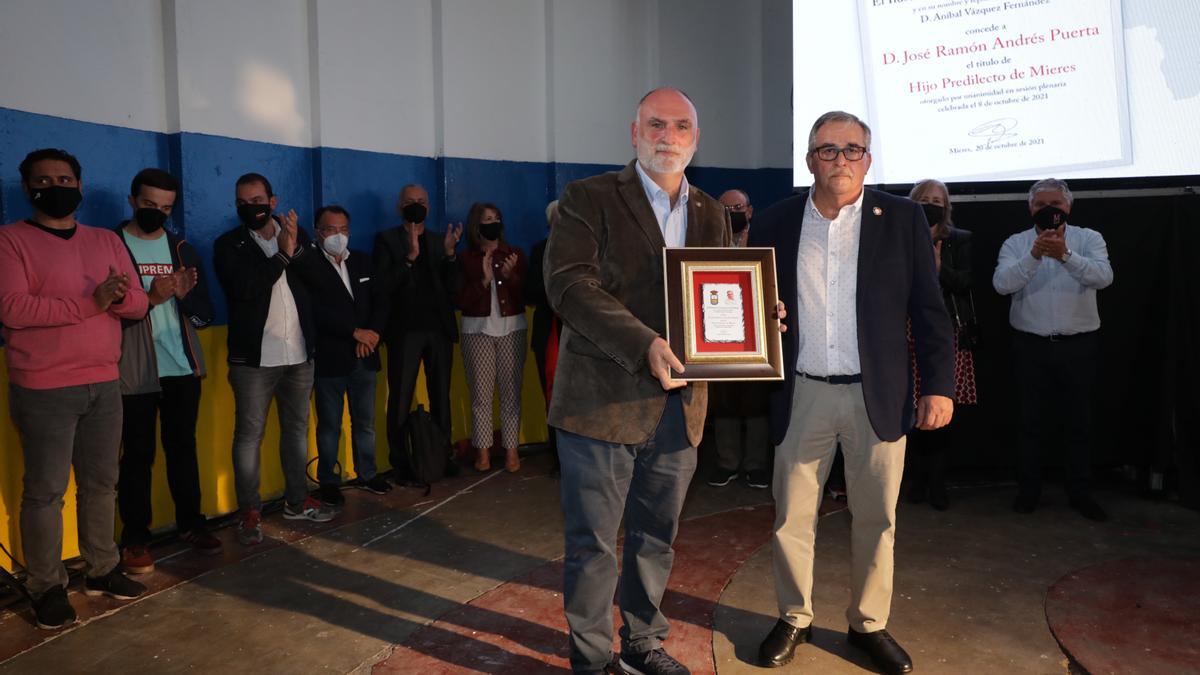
312	509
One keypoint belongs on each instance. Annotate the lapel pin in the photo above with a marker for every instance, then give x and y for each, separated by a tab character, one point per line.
877	211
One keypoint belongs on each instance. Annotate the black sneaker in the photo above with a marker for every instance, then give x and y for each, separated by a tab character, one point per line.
721	477
376	485
331	495
114	585
52	610
655	662
758	479
1089	509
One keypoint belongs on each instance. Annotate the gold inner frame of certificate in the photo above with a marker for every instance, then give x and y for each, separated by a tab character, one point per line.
688	270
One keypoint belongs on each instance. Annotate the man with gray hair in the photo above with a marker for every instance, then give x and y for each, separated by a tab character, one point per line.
858	263
627	428
1052	271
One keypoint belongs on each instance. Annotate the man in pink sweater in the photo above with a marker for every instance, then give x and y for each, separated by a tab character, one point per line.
64	288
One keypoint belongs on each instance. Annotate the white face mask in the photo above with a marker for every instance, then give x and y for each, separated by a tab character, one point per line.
335	245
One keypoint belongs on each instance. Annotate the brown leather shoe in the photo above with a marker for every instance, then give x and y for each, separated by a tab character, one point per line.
885	652
483	460
780	644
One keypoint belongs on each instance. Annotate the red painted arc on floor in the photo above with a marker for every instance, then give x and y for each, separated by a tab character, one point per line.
519	627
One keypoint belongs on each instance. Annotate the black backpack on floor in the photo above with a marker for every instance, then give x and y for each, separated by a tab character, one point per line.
427	449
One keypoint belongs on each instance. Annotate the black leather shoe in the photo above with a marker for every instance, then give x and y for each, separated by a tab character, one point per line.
938	498
780	645
1089	509
885	653
1025	503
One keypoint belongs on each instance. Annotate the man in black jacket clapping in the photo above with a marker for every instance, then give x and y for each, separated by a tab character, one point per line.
271	343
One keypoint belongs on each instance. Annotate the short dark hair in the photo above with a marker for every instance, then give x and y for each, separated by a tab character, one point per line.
331	208
248	178
155	178
36	156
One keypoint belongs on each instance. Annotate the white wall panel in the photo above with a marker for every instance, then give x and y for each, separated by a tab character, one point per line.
92	61
494	79
375	72
244	69
599	70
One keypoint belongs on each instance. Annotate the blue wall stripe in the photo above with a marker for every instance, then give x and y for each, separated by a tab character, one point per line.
366	183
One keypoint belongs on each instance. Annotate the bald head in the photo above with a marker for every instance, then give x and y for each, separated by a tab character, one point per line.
665	132
732	198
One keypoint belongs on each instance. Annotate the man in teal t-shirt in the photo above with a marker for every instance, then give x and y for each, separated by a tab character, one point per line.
161	369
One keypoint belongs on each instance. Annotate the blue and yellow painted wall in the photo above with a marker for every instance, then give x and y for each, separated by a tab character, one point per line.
346	102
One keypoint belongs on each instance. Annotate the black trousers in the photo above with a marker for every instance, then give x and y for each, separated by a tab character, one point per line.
406	352
926	459
177	405
1055	381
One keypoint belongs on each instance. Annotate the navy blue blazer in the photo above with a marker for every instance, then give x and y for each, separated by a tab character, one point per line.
896	281
337	313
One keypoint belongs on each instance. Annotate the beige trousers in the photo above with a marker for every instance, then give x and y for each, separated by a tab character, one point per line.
822	416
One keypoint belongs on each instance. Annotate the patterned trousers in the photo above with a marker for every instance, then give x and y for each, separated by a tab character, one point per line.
494	363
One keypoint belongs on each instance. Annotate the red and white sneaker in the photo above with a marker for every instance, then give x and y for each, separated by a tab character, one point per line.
312	509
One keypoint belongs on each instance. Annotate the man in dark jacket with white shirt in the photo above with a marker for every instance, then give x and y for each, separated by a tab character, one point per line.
271	342
349	322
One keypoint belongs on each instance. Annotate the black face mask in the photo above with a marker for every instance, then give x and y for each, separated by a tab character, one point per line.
150	220
254	216
56	201
491	231
738	220
1049	217
414	213
934	213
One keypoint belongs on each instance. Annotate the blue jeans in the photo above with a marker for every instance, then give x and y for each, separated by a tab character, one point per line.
600	482
330	394
253	389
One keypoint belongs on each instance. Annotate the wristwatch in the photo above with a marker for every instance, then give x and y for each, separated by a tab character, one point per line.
1064	257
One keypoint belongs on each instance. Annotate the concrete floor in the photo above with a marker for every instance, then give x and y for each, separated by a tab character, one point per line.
970	587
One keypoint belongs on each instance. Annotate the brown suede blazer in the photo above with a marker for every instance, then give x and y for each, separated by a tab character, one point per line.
604	277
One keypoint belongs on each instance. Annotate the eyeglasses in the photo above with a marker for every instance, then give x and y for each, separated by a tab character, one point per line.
829	153
736	207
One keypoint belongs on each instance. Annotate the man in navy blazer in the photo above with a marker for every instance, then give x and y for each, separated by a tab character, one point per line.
349	321
857	267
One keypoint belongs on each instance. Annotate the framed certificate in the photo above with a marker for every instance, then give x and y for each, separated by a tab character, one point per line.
720	313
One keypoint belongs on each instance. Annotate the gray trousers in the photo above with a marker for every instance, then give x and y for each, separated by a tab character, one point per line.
76	426
253	389
600	482
822	416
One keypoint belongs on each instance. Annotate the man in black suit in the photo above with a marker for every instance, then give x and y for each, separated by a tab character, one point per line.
419	272
859	265
348	324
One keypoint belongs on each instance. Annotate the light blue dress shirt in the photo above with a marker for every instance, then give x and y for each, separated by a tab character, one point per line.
1050	297
672	221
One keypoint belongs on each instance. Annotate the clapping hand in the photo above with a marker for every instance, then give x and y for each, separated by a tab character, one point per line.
162	288
186	279
509	263
111	289
453	234
287	235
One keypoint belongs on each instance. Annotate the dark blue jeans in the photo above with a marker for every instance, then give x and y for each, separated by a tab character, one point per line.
330	394
600	482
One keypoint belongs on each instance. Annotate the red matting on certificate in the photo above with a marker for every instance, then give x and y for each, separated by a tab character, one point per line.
746	283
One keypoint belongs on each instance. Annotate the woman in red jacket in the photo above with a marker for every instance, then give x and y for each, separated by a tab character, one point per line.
493	331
